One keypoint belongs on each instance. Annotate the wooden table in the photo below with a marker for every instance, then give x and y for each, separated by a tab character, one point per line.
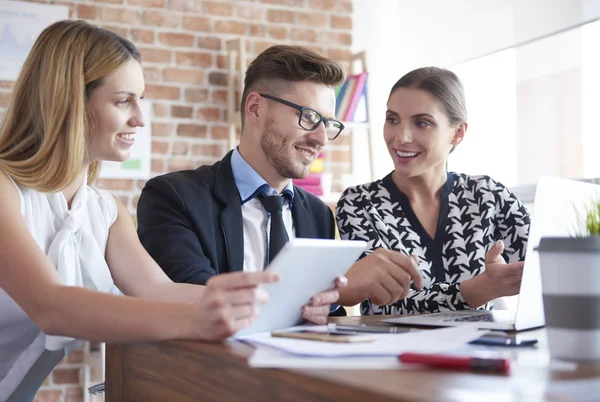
181	371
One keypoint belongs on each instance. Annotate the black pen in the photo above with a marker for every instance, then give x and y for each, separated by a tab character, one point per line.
367	328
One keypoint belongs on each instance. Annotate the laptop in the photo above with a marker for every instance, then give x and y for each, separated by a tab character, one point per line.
554	214
306	267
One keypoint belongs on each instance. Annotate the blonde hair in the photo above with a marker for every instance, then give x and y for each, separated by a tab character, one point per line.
43	136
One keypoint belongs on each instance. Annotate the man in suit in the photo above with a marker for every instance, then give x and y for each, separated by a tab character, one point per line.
223	218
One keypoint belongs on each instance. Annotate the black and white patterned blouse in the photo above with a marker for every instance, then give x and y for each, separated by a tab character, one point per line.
475	211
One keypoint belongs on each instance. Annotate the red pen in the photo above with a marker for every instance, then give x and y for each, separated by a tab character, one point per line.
457	362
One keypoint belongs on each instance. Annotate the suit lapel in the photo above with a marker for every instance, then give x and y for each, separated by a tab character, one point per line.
231	217
303	220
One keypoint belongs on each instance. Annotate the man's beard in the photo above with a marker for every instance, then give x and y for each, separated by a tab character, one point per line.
276	150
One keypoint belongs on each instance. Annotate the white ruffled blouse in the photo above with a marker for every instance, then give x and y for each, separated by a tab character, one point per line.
75	242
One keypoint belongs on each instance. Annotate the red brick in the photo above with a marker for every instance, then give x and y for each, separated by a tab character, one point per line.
74	394
48	395
231	27
209	42
222	61
339	54
345	6
120	15
311	19
112	184
162	92
341	22
162	129
216	78
152	74
219	97
334	38
163	18
7	84
277	32
71	375
219	132
250	12
176	39
161	110
317	49
215	150
183	112
180	148
173	74
160	147
291	3
305	35
87	12
194	59
155	55
147	3
5	98
197	24
257	30
118	30
327	5
191	130
260	46
110	1
185	5
177	164
157	165
223	9
208	114
142	35
196	95
280	16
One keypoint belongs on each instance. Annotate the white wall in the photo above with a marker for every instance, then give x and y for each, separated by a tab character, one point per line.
400	35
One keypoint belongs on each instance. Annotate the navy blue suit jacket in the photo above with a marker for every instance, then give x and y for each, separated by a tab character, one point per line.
191	222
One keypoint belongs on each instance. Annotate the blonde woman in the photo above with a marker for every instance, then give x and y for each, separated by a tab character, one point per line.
65	246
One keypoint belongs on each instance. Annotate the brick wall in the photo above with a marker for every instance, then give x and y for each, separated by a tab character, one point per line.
185	67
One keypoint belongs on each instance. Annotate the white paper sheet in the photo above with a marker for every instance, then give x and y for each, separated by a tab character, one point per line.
426	341
266	357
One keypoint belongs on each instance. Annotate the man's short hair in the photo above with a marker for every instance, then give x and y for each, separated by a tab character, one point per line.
278	66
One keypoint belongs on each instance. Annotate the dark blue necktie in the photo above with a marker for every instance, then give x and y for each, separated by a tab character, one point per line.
277	235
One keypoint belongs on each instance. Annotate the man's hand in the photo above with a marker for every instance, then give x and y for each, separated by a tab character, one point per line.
384	276
317	310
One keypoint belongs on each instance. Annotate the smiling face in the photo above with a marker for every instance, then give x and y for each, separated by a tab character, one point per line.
114	113
417	132
288	148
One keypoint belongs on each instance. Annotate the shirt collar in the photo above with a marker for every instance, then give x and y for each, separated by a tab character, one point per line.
249	183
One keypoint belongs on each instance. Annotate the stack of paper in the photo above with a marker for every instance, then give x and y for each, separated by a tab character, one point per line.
381	353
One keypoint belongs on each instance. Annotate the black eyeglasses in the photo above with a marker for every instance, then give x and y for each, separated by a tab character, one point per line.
310	119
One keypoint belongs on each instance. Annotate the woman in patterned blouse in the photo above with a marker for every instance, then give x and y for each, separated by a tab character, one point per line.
469	233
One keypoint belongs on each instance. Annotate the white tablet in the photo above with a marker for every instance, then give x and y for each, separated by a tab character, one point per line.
306	267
